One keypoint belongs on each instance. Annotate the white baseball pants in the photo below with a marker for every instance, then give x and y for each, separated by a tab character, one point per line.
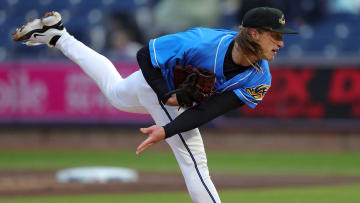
133	94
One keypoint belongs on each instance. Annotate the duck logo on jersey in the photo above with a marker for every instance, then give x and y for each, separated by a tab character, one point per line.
258	92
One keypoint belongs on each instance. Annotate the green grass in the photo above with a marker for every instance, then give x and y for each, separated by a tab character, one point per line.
334	194
306	163
55	159
300	163
329	194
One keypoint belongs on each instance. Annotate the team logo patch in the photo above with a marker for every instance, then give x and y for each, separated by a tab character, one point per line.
258	92
282	20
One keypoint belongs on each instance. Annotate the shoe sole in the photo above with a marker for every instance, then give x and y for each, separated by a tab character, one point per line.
25	32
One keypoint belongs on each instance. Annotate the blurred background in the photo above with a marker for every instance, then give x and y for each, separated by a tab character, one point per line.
315	76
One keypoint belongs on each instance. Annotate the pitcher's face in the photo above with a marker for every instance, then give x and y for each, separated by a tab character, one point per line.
270	43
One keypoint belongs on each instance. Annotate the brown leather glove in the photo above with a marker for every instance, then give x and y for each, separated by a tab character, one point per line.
192	85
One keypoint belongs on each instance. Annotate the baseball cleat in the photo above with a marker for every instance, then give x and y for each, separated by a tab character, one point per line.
40	31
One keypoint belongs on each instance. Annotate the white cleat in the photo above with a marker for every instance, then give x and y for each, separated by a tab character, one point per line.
40	31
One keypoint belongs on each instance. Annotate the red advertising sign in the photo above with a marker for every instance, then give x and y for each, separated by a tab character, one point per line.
307	92
56	92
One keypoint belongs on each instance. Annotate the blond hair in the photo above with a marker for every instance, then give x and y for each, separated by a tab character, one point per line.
248	46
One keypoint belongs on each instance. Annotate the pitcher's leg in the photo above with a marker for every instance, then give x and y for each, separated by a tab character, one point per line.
98	67
188	149
119	91
50	30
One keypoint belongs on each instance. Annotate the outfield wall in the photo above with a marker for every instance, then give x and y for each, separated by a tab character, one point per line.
59	92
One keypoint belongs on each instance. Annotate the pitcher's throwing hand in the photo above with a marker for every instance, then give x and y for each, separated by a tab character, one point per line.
156	133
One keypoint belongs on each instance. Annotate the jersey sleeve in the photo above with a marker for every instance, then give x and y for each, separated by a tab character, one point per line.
253	92
252	95
170	50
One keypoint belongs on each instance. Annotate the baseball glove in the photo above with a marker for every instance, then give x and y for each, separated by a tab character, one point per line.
192	85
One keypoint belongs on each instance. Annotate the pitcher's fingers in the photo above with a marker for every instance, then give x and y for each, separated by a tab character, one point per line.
144	130
142	148
144	145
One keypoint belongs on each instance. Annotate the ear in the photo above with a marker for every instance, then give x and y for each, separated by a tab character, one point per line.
254	34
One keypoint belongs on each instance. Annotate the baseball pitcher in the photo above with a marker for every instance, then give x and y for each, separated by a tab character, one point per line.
185	80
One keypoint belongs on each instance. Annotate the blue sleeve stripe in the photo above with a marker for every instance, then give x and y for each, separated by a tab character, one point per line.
237	81
157	62
217	51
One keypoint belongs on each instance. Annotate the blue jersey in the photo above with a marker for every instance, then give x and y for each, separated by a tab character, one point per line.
206	48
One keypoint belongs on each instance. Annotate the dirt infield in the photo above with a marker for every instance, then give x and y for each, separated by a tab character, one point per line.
35	183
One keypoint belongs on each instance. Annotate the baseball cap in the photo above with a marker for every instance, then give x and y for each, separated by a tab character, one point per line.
267	18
